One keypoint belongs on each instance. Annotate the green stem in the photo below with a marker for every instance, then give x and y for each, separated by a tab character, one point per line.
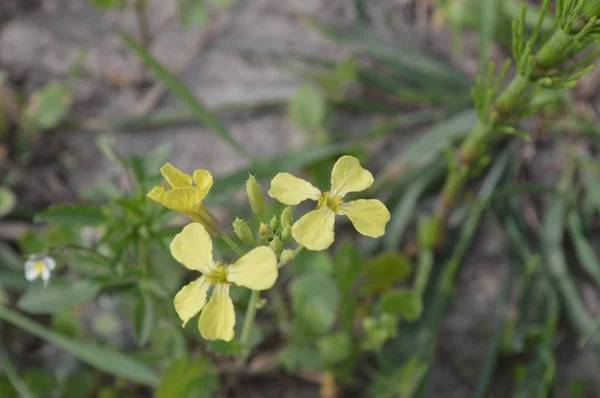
424	270
249	323
232	244
510	98
554	49
512	94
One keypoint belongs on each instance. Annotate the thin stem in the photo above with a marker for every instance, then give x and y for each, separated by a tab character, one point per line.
249	323
232	244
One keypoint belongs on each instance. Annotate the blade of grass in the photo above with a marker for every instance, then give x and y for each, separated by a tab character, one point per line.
13	377
583	250
428	145
410	64
182	92
109	361
552	250
420	338
487	373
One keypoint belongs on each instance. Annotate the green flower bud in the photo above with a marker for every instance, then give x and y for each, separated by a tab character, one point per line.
274	223
286	256
286	233
243	231
256	198
287	217
276	245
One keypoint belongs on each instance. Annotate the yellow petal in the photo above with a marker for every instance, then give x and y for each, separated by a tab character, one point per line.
292	190
191	299
204	180
348	176
315	229
185	200
192	247
369	216
175	177
218	317
156	194
256	270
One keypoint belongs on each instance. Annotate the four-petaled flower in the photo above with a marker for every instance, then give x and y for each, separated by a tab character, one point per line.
256	270
39	266
315	229
186	198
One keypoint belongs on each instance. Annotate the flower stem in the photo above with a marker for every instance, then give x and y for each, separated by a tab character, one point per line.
232	244
249	323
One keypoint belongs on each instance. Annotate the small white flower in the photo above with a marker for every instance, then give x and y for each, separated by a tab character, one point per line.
38	266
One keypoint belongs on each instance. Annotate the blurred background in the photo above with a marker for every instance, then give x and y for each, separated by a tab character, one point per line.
95	95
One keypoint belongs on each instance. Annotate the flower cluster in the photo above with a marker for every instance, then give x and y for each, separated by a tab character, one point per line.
258	268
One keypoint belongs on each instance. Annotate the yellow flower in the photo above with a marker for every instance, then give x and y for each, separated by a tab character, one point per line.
315	229
186	198
256	270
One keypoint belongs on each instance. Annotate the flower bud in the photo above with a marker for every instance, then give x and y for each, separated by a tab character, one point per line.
286	257
242	230
264	230
256	197
276	245
205	217
287	217
286	233
274	223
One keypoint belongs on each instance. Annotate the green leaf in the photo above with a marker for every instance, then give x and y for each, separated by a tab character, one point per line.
109	4
68	324
335	348
13	280
8	200
313	262
47	107
348	266
404	303
72	214
233	347
386	270
57	296
186	377
300	356
80	384
9	258
111	362
308	108
315	300
143	319
184	94
340	79
401	383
